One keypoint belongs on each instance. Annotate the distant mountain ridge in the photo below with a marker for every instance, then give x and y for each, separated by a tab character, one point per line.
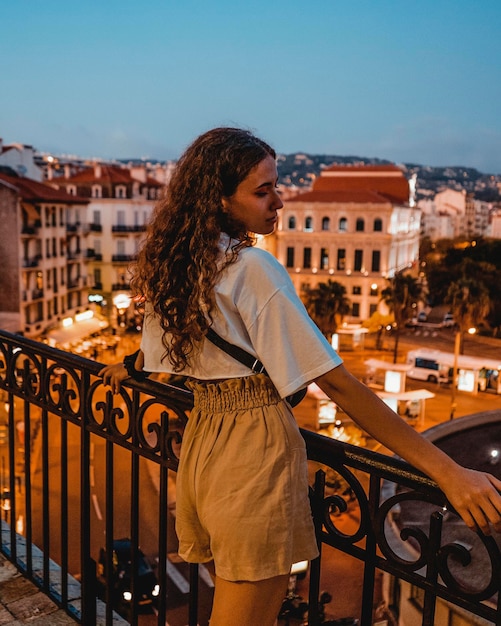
300	169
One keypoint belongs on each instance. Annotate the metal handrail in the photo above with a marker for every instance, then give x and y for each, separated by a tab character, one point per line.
55	394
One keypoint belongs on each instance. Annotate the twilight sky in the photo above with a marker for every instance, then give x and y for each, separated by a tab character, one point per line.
405	81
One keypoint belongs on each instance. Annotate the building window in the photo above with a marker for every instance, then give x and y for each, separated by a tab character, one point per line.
343	225
292	223
121	247
360	225
374	290
357	265
308	225
96	217
120	192
378	225
307	258
357	290
324	259
96	191
121	218
372	309
341	259
290	257
355	309
376	261
326	223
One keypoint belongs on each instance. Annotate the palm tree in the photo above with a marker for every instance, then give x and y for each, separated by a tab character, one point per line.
469	302
401	297
327	304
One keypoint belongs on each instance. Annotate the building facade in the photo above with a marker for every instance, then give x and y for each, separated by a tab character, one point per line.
44	273
355	227
453	213
120	203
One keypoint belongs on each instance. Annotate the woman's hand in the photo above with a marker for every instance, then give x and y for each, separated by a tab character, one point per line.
113	375
476	498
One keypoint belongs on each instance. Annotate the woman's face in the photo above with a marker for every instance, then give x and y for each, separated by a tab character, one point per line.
256	201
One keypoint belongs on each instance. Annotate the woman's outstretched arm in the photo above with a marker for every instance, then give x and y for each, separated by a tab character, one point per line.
474	495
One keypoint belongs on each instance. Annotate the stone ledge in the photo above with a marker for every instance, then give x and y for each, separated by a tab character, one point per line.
22	602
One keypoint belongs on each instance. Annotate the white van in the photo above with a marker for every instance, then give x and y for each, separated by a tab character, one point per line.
426	366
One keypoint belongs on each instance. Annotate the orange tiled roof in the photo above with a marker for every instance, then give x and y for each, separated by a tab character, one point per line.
110	175
341	196
385	180
32	190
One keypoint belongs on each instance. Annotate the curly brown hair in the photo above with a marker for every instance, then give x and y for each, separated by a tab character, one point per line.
179	261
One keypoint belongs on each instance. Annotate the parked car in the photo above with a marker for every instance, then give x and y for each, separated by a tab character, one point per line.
448	321
121	579
422	316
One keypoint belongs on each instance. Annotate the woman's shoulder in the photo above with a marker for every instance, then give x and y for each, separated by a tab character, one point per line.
257	257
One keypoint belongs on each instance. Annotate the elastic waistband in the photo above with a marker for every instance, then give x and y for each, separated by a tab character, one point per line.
234	393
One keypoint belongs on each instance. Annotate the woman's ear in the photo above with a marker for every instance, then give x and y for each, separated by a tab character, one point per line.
225	204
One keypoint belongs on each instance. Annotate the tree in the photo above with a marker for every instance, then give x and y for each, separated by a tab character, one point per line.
401	297
469	302
327	304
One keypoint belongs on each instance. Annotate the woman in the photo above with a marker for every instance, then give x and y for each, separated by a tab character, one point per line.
242	495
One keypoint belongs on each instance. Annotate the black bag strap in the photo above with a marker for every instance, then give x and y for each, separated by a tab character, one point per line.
236	352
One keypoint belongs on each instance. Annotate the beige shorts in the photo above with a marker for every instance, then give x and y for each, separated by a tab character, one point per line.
242	487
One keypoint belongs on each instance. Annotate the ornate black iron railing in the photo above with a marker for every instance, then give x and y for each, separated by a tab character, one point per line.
82	468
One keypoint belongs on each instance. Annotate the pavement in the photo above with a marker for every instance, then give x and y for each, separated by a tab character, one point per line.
21	602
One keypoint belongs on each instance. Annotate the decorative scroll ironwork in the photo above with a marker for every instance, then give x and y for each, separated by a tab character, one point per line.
147	419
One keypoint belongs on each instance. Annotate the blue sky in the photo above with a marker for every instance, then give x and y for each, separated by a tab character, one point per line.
406	81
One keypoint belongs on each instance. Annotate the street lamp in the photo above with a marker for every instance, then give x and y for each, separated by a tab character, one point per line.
457	345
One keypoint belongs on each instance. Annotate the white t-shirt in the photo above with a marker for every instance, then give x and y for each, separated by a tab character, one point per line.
258	310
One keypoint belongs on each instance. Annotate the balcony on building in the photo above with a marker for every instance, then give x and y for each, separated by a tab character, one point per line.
30	227
83	467
92	254
120	287
122	228
32	261
73	228
94	228
123	258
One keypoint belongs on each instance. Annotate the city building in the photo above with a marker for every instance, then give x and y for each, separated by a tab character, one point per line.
453	213
21	159
120	201
44	275
356	226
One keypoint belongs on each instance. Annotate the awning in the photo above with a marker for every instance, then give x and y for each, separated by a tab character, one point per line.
77	330
386	365
416	394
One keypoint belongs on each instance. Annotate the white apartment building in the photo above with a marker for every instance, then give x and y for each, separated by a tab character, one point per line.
43	278
120	202
356	227
20	158
454	213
